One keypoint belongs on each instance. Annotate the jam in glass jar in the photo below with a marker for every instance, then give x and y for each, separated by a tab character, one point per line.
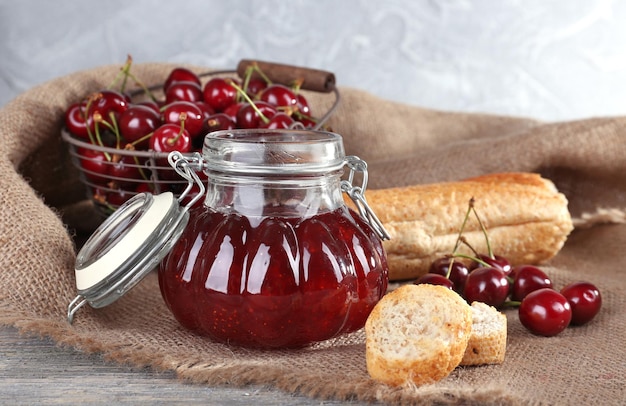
274	258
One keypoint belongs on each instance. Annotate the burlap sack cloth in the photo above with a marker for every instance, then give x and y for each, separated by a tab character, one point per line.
403	145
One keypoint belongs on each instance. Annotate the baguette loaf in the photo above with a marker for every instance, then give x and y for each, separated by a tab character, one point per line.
487	342
416	334
526	217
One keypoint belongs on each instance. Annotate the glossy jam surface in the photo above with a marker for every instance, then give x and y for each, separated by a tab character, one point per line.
274	281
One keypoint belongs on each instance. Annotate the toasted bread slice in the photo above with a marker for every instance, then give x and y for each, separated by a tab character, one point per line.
487	342
417	334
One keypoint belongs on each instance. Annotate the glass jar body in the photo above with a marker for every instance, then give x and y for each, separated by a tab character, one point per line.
273	262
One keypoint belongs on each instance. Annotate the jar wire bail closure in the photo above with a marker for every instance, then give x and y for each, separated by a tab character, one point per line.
357	194
187	166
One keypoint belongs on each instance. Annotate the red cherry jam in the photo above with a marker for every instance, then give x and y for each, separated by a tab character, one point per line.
274	282
274	258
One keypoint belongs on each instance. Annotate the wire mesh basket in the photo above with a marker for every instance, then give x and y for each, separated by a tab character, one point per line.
112	175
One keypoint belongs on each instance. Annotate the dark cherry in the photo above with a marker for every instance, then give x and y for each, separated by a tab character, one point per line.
151	104
435	279
193	116
219	93
279	95
124	170
584	299
137	122
183	91
232	110
545	312
255	86
145	187
218	121
526	279
488	285
279	121
118	197
307	122
107	102
247	116
205	109
180	74
496	261
75	123
303	105
170	137
94	165
457	273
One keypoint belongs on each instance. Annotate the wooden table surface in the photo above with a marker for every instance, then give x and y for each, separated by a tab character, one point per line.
35	371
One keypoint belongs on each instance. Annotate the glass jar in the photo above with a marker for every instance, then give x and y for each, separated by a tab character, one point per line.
274	257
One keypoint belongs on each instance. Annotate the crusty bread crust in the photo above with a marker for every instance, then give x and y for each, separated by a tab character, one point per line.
487	342
527	220
416	334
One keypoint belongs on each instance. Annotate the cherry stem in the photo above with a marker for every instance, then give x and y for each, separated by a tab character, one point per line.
511	303
142	139
123	74
297	85
460	238
97	118
249	100
131	147
181	117
480	261
484	230
468	245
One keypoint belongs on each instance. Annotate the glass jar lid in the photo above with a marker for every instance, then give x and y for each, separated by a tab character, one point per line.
273	152
125	248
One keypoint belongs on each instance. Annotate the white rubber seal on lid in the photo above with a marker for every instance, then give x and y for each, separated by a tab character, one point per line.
126	247
115	252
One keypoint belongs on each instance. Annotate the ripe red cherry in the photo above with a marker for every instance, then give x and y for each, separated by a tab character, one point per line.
307	122
218	121
118	197
205	109
458	272
303	105
255	86
194	118
232	110
496	261
584	299
107	102
180	74
279	95
170	137
94	165
124	170
75	123
279	121
247	116
183	91
488	285
137	122
435	279
526	279
151	104
145	187
219	93
545	312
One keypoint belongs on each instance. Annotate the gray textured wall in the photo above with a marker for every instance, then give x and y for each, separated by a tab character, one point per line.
552	60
